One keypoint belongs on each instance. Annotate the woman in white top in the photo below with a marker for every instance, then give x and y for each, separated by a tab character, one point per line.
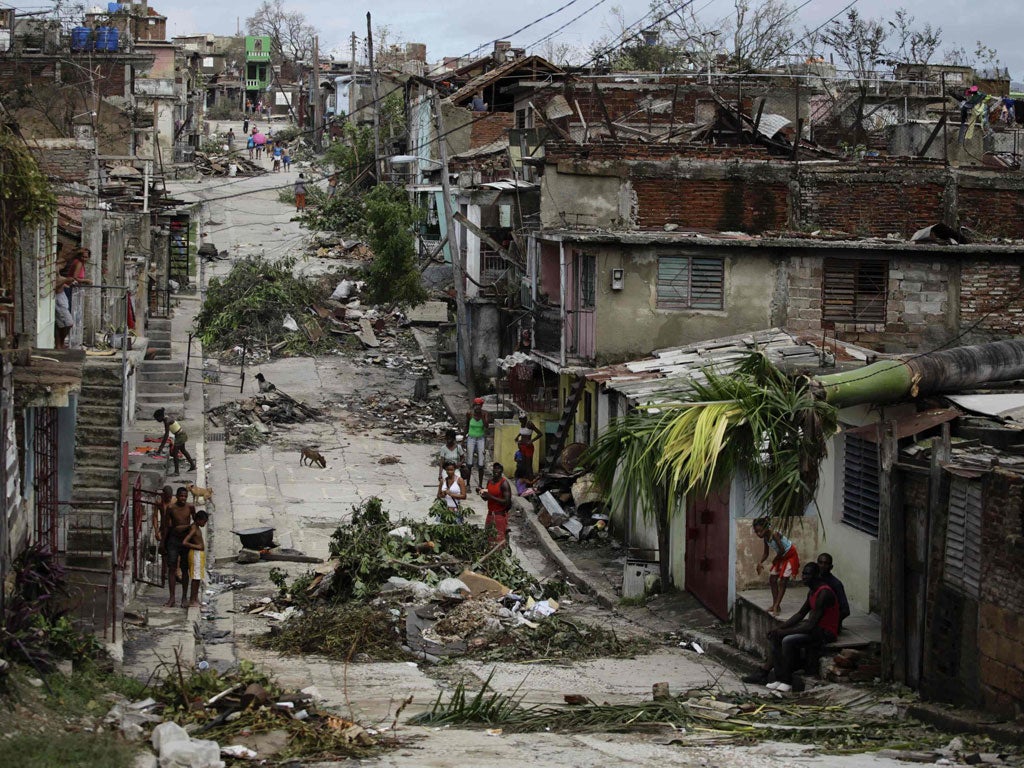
452	488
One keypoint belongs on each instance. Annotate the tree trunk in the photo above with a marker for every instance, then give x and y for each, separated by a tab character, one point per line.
935	373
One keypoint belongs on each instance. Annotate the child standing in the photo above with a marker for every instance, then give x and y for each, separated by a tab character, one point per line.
278	154
286	158
785	564
196	555
300	192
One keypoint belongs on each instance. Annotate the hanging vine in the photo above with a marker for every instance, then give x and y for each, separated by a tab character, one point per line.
26	200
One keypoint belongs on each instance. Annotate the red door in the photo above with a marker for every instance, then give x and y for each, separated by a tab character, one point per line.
707	551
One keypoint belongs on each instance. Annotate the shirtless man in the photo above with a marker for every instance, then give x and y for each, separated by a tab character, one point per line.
177	524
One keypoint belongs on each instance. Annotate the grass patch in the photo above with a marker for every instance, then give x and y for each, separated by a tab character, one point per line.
69	750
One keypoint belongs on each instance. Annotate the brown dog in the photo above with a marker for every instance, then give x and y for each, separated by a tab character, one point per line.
206	494
311	456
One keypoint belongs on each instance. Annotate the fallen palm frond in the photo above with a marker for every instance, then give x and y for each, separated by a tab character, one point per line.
831	728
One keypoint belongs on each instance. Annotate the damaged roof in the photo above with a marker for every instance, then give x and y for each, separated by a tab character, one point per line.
533	64
671	370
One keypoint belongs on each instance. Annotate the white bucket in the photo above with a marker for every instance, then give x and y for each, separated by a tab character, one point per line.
232	169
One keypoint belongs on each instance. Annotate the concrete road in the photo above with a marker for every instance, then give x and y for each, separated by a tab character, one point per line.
268	487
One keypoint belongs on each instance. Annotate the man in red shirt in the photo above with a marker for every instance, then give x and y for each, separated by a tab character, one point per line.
814	625
498	495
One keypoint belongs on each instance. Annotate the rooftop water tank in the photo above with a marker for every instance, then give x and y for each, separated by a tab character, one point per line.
80	38
100	40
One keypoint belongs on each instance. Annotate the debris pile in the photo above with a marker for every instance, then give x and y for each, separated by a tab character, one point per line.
355	250
853	665
402	418
428	589
252	716
711	713
220	164
248	423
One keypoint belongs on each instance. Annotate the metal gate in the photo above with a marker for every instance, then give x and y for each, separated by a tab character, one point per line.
707	551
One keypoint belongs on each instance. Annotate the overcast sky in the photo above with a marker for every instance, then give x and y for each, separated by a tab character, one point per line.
457	28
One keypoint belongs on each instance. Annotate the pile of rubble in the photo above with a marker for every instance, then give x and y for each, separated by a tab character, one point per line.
405	419
220	165
355	250
247	423
852	665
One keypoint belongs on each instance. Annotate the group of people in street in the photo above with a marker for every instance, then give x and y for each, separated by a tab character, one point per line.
455	463
817	623
178	528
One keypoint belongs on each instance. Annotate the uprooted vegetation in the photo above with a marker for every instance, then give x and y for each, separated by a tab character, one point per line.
402	588
870	722
249	306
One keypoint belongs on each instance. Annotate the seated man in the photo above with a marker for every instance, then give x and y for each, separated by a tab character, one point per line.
814	625
825	563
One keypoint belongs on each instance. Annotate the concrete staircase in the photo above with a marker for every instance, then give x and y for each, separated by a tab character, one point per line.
161	384
158	335
96	489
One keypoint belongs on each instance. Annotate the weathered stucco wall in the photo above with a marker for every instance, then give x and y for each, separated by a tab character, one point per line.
629	324
602	201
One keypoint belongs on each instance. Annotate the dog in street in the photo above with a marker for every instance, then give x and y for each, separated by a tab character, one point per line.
206	494
311	456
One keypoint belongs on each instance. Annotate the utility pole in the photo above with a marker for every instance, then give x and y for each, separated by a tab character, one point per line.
463	360
352	82
378	161
314	93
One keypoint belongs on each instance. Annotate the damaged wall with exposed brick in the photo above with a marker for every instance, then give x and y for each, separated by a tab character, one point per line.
746	188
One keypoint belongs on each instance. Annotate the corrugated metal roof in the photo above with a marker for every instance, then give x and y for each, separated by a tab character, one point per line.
671	370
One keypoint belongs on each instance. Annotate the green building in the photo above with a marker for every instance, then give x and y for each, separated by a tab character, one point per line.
258	72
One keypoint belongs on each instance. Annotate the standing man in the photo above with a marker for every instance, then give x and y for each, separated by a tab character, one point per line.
814	625
245	120
300	193
825	563
231	139
477	423
177	524
498	496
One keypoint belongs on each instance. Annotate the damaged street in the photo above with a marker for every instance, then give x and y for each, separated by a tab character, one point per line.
410	637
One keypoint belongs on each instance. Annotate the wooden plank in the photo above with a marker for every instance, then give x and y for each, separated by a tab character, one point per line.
891	552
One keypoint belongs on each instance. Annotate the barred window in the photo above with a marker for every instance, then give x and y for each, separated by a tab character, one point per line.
854	291
690	282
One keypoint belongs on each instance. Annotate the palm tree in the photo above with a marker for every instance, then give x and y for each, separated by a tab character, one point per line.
775	429
753	419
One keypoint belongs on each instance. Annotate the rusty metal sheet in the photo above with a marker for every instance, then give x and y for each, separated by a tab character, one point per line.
907	426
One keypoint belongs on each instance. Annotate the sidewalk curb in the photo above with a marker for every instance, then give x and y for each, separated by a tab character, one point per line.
603	596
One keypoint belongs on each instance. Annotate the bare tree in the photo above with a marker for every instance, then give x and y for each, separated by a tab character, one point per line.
981	57
754	36
291	35
911	45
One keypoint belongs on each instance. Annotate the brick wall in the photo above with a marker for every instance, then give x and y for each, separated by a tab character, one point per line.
609	150
1001	609
61	160
994	212
723	205
917	312
992	296
873	208
486	130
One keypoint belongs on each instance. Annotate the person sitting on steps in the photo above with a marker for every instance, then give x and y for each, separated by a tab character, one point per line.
816	624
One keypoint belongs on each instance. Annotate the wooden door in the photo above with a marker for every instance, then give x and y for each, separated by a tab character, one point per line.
707	551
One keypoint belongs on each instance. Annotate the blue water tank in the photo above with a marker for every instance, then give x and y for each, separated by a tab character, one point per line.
100	40
80	38
113	7
112	38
